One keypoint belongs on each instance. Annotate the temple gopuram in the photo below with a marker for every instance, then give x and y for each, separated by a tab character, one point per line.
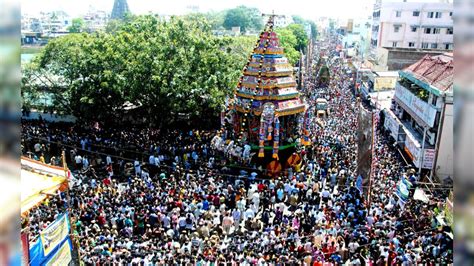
267	112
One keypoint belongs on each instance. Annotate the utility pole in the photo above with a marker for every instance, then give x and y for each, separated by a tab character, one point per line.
300	74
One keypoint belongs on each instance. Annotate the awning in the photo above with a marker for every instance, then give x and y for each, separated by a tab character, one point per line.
36	187
39	180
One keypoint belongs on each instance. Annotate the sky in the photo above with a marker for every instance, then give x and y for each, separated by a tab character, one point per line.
308	9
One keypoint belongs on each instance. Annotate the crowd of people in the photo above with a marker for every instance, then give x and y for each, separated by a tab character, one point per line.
143	197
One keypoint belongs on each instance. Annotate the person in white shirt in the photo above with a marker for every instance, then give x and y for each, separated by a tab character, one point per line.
108	160
249	214
78	160
85	162
137	166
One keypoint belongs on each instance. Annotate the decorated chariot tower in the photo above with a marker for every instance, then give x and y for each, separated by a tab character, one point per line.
267	111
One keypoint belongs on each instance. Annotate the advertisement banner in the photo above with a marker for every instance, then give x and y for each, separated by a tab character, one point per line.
384	83
413	147
62	256
391	124
416	106
428	158
55	234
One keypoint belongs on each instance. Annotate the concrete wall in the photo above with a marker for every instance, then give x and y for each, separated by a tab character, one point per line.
50	117
398	59
444	161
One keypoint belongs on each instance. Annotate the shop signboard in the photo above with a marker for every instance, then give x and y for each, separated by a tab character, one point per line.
413	147
428	158
392	124
416	106
384	83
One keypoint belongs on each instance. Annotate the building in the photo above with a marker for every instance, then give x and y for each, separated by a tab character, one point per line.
414	27
421	116
377	88
282	21
356	40
95	19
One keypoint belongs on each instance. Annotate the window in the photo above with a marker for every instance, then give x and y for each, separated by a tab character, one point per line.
398	14
438	14
413	29
396	28
427	30
449	31
430	14
436	30
394	44
424	45
448	46
434	46
411	44
434	100
450	14
416	13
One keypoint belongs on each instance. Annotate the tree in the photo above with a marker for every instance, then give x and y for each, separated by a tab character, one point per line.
298	20
77	25
243	17
166	68
303	22
215	19
314	30
288	41
301	36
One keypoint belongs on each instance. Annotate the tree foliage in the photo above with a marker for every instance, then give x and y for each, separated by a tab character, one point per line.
303	22
77	25
164	68
288	41
301	36
244	17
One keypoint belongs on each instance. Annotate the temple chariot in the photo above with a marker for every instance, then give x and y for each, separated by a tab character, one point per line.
267	114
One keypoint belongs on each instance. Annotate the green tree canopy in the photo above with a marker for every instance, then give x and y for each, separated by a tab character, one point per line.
164	68
298	20
301	36
77	25
288	41
244	17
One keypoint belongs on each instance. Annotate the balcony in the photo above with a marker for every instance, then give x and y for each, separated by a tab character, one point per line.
423	113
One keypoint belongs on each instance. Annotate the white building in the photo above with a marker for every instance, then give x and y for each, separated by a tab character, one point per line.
95	19
357	37
282	21
421	116
413	25
56	21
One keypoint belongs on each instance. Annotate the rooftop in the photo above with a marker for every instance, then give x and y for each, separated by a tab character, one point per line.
437	71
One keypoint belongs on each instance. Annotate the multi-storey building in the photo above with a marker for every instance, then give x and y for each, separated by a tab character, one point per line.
282	21
403	31
357	37
421	116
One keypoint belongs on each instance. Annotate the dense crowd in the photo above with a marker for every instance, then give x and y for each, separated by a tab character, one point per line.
172	202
